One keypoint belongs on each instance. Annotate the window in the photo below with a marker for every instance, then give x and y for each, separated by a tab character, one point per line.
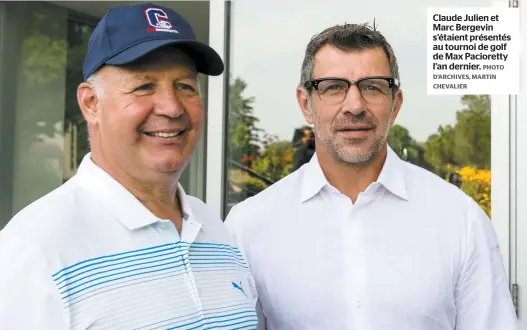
34	54
75	129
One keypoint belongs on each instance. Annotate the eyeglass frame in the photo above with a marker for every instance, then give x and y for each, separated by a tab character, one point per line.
394	83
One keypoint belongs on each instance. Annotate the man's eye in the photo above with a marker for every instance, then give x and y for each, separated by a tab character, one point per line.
186	87
187	90
145	87
335	87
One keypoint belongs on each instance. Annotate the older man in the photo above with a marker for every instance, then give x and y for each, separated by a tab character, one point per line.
121	245
357	238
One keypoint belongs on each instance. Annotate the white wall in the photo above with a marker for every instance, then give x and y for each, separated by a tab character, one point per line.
521	175
216	112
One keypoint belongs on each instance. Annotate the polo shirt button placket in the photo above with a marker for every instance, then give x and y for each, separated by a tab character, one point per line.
168	231
191	281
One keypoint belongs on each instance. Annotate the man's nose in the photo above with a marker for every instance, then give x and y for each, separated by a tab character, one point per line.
354	103
169	104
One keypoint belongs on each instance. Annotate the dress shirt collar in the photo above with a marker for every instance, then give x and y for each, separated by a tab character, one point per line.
391	177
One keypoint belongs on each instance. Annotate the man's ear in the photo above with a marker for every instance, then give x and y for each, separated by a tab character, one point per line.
303	102
87	99
398	102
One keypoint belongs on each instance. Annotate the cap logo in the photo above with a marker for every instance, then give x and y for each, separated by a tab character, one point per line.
157	20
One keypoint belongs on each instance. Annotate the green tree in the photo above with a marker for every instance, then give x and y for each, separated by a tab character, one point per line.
43	51
242	129
244	146
467	143
439	150
276	159
472	132
399	138
402	143
37	74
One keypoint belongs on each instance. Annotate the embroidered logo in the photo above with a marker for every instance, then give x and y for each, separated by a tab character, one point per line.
158	21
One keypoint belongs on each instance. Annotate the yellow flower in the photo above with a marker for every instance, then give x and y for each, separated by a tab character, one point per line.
477	184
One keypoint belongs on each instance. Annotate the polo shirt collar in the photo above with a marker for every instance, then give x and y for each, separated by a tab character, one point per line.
391	177
119	200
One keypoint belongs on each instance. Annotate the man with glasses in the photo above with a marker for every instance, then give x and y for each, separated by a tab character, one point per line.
358	238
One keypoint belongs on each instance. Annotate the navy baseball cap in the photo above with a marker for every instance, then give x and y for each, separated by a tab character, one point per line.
129	32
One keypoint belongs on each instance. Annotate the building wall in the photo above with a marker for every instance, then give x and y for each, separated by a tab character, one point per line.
518	232
34	63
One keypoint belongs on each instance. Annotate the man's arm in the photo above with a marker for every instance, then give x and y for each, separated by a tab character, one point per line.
233	223
28	296
483	299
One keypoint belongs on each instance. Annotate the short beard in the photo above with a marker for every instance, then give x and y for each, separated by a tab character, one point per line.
339	152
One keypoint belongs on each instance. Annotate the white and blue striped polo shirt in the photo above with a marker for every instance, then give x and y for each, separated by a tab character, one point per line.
89	255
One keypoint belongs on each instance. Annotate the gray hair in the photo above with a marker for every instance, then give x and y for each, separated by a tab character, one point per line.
93	81
347	37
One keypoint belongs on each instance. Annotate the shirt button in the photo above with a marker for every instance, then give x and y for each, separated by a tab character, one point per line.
358	303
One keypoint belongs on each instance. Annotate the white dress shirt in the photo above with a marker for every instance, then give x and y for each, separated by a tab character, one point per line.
89	255
412	253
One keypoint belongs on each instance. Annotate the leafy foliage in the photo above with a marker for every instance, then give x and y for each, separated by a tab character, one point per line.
242	130
465	143
403	144
276	159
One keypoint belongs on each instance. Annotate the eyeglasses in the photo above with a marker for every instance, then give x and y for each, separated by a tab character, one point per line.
334	90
